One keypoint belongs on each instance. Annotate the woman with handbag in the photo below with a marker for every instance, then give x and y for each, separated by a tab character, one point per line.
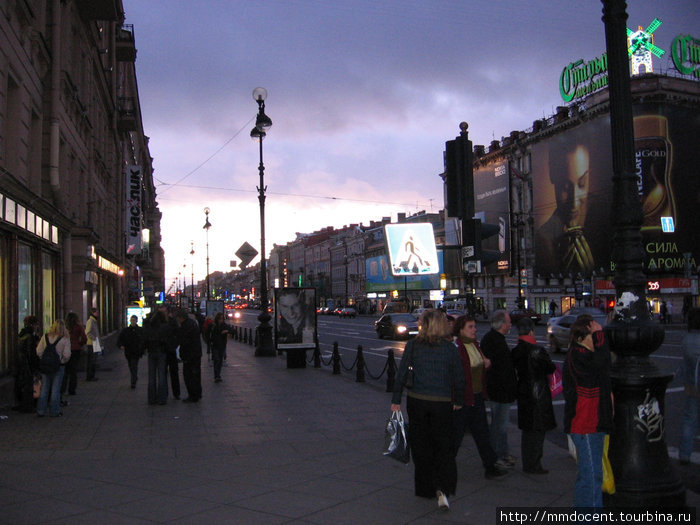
438	390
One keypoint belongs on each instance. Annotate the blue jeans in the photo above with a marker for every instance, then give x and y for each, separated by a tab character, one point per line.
50	393
589	480
689	428
500	414
157	378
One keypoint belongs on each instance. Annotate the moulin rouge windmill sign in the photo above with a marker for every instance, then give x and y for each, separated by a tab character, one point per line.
581	78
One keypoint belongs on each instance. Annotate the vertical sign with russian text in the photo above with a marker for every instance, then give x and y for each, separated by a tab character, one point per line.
133	210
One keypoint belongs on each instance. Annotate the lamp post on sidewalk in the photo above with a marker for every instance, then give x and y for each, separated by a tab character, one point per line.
192	270
264	346
644	476
206	226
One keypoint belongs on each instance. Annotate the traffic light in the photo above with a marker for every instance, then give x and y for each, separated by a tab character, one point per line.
459	177
475	232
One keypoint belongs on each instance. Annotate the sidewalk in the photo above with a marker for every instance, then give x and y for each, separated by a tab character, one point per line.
267	445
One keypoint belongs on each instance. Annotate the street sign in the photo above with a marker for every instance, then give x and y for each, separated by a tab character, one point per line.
467	251
246	253
411	249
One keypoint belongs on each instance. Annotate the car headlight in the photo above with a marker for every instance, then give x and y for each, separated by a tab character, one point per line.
401	329
237	315
549	328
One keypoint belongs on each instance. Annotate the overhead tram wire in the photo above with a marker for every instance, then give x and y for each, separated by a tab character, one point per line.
177	183
302	195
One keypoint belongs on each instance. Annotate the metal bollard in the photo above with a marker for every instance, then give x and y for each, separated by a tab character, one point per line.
317	355
360	374
390	371
336	359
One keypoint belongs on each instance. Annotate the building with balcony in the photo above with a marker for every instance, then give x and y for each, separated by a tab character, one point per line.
79	223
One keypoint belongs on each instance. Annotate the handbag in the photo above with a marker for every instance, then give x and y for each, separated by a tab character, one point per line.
608	477
556	386
97	346
396	438
36	386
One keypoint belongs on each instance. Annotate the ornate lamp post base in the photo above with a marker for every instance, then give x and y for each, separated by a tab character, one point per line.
264	348
644	475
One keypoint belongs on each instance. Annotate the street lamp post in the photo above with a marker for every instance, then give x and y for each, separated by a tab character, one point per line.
264	346
192	270
206	226
644	476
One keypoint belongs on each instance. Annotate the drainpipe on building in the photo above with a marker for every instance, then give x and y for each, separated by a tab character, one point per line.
54	106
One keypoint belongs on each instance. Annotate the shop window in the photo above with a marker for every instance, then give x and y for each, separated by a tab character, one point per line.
499	303
25	283
542	305
48	289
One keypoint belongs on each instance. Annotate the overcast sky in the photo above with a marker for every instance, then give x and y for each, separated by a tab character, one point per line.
362	95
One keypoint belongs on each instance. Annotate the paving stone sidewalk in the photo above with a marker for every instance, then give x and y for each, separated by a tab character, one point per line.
268	445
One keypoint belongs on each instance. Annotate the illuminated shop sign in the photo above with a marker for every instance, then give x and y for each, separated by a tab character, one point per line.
685	52
581	78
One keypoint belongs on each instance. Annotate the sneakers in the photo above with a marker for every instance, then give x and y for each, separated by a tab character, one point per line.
495	472
443	504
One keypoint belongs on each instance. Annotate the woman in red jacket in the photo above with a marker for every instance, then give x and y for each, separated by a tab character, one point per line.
588	409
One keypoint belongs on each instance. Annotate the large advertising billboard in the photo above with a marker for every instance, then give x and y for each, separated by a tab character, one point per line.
492	206
378	276
573	199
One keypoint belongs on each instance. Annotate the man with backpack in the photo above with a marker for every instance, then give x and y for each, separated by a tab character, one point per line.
53	351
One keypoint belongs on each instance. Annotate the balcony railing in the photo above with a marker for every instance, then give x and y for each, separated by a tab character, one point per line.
126	44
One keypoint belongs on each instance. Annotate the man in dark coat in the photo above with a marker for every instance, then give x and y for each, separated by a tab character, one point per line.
191	355
131	342
26	364
535	412
501	384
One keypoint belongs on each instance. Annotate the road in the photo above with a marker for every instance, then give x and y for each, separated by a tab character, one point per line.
351	333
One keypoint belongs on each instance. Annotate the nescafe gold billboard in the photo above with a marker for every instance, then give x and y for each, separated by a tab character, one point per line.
572	192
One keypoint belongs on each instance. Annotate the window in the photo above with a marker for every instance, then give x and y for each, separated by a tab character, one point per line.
25	283
48	288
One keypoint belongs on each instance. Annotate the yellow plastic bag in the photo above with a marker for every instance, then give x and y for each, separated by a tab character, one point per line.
608	478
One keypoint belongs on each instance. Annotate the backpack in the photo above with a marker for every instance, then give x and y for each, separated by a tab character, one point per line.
50	361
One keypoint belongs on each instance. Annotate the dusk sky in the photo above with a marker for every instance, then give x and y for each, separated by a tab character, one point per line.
362	96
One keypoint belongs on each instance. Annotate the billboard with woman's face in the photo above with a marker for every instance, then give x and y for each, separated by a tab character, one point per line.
573	193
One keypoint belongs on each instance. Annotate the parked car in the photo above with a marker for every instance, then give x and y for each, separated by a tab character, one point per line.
396	326
559	328
347	312
521	313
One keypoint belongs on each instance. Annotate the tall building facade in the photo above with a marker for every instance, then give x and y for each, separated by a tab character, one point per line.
79	224
550	191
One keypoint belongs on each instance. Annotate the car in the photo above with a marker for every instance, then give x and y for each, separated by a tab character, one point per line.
456	313
417	312
521	313
347	312
559	328
232	313
396	326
